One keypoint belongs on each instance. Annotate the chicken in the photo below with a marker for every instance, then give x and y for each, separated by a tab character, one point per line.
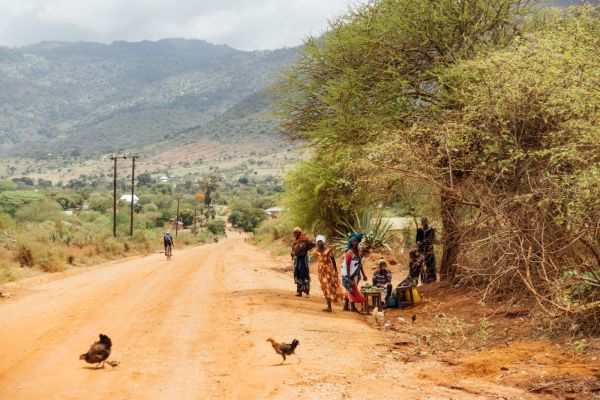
284	349
378	316
98	352
414	318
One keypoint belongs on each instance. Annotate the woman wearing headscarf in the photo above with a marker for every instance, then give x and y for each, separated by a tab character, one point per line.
328	275
352	268
300	248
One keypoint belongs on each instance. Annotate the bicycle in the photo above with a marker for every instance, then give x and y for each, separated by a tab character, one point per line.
168	252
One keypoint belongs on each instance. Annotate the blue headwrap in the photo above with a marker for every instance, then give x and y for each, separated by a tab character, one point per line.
355	235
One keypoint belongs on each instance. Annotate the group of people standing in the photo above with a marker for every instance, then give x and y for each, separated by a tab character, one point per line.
351	269
422	264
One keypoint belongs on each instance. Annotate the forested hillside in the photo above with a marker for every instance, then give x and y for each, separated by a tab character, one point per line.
90	98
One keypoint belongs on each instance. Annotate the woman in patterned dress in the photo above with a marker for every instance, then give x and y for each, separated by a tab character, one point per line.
328	275
352	269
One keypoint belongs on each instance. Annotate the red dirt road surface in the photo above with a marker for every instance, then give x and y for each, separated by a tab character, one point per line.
195	328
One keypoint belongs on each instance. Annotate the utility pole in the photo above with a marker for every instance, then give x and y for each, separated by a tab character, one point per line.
201	215
177	217
195	232
133	157
115	158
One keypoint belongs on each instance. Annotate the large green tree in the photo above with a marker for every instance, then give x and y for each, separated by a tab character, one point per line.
11	201
372	73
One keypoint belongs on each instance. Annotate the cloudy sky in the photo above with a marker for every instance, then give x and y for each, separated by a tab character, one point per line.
243	24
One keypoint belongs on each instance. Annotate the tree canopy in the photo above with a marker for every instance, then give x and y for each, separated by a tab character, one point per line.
489	105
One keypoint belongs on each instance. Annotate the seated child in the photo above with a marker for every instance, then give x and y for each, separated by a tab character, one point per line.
383	278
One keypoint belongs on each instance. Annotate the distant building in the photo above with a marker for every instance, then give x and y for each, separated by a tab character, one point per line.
84	206
274	212
173	225
127	198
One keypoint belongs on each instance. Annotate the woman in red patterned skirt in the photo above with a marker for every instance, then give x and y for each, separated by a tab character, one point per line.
352	268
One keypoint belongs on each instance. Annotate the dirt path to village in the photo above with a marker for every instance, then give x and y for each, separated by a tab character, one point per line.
195	328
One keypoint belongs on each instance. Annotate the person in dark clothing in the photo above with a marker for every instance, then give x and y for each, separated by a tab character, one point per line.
406	291
425	240
415	269
168	242
300	248
415	264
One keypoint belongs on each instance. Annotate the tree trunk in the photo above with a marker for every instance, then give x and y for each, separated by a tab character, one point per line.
452	237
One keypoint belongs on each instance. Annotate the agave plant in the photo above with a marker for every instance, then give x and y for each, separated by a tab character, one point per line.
59	236
376	231
55	236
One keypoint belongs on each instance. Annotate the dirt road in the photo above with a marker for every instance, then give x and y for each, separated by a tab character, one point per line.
195	328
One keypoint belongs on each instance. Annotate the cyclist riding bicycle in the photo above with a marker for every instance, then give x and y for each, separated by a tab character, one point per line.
168	242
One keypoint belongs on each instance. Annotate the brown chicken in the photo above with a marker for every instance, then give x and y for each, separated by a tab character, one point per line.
284	349
98	352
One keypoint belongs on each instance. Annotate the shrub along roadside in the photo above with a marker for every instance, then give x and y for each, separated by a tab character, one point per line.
30	249
37	236
275	235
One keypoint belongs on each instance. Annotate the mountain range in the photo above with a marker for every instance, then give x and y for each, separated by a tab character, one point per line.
86	99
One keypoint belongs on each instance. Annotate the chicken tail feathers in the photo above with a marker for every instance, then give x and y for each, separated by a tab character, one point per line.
105	340
295	344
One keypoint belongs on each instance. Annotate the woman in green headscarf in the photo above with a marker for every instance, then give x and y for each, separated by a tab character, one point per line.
352	268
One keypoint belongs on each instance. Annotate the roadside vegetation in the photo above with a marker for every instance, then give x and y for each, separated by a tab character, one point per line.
49	228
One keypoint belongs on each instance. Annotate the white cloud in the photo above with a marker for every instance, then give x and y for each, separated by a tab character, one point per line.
243	24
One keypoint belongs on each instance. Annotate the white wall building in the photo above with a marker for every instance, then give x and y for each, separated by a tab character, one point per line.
127	198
